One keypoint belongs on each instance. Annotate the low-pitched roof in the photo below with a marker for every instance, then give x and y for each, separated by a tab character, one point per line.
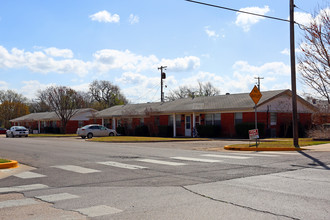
45	116
230	102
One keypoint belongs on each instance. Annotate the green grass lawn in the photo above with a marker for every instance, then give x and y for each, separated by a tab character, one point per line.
142	139
282	143
4	161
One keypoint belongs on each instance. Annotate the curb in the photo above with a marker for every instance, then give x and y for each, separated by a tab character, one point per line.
262	149
11	164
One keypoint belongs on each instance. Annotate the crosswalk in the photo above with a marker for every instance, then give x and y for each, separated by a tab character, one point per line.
132	164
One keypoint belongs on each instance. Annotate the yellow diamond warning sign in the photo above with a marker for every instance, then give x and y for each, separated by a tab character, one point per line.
255	95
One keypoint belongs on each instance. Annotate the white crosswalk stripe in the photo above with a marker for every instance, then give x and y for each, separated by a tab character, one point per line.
57	197
29	175
22	188
161	162
100	210
254	154
76	169
122	165
279	153
196	159
225	156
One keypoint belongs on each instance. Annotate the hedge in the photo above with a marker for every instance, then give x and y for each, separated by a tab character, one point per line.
242	129
208	130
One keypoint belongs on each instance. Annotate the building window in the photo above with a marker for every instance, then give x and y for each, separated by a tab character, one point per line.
213	119
141	121
273	118
217	119
208	119
178	121
238	118
119	122
170	120
157	121
80	124
130	123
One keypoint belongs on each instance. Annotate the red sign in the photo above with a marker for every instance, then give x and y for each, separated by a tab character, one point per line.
253	134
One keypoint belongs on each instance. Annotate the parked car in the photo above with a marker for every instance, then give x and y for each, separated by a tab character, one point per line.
17	131
3	130
95	130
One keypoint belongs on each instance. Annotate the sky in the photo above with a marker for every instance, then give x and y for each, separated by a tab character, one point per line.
71	43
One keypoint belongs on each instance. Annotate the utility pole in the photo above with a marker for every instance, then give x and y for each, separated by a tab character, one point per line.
162	76
293	77
259	78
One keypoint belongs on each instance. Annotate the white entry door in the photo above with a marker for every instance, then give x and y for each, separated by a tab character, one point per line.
188	126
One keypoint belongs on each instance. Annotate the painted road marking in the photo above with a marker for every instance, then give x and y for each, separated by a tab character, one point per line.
23	188
225	156
100	210
29	175
122	165
17	202
255	154
279	153
57	197
77	169
196	159
161	162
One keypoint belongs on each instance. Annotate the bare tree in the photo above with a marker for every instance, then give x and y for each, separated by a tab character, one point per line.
314	64
64	101
203	89
106	94
11	96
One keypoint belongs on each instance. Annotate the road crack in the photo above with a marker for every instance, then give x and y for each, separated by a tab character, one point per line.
237	205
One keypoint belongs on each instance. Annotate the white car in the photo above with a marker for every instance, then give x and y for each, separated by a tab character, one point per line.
17	131
95	130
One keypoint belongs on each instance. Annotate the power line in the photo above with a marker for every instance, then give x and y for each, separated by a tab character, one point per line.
259	15
236	10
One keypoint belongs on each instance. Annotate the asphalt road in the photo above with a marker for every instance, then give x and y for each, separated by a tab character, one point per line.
70	178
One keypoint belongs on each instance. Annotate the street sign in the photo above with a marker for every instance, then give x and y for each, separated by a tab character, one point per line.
253	134
255	95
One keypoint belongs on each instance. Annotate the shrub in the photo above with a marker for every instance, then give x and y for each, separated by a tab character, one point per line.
288	134
142	131
165	131
242	129
121	130
208	130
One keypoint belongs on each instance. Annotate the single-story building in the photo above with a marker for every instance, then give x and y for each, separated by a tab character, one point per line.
49	122
182	116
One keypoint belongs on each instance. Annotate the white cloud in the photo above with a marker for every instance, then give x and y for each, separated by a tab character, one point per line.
103	61
187	63
246	21
84	87
55	52
133	19
132	78
3	85
325	11
286	51
302	18
31	88
269	69
211	33
105	16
